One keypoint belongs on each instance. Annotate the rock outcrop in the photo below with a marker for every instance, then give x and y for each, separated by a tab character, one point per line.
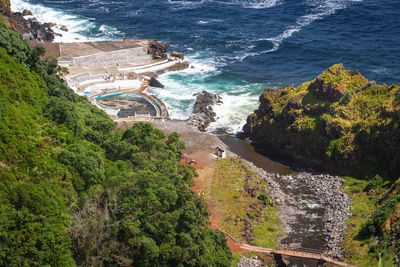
203	113
157	50
64	28
30	28
155	83
336	122
177	55
26	12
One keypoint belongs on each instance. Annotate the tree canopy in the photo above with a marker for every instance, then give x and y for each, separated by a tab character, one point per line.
76	190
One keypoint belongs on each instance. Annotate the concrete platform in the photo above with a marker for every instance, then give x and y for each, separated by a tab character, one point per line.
70	50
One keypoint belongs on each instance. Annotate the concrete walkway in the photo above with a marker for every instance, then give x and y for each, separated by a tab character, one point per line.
309	254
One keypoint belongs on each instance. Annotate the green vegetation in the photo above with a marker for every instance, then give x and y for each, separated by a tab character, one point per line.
374	224
246	217
345	124
335	121
374	183
373	221
264	198
75	190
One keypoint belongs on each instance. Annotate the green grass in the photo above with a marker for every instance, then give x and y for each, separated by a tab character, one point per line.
236	259
232	203
362	252
356	251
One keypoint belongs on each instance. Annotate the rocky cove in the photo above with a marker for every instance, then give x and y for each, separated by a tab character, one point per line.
312	207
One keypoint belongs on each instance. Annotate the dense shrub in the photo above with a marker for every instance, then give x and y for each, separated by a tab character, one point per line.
74	190
374	183
374	224
264	198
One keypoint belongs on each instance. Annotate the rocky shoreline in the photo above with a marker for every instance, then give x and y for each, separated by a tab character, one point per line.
30	28
203	112
329	195
325	191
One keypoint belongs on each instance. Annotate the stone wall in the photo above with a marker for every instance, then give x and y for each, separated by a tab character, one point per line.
135	55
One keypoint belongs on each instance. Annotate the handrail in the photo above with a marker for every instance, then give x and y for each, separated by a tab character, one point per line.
301	253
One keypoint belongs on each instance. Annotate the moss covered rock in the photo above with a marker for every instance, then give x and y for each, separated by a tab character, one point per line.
339	121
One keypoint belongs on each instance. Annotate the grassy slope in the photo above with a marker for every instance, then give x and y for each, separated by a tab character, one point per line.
232	203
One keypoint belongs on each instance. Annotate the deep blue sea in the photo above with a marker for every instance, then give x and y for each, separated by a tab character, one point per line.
239	47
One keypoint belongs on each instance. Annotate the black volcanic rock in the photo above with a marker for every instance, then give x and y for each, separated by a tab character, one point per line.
31	29
155	83
203	113
158	50
26	12
325	91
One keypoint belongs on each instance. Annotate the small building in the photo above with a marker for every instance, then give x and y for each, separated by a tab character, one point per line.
220	152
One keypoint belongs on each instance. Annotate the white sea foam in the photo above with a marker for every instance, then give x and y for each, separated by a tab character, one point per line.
79	28
232	113
319	9
180	88
202	22
260	4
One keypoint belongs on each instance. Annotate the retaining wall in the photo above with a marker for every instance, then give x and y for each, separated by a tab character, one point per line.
134	55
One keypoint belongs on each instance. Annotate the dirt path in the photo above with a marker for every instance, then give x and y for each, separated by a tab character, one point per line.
200	147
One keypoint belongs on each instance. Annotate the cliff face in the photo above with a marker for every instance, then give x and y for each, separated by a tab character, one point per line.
339	121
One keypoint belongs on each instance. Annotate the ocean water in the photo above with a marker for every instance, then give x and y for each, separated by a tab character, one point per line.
239	47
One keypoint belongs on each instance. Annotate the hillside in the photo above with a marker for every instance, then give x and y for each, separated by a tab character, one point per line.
339	121
342	123
75	190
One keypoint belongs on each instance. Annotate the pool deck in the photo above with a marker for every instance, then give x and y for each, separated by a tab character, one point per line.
100	68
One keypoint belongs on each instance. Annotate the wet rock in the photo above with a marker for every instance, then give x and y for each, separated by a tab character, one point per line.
179	66
157	50
31	29
203	113
26	12
177	55
155	83
64	28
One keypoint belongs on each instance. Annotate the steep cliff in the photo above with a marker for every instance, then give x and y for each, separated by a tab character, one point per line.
339	121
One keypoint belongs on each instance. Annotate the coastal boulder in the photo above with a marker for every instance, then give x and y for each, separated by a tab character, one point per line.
157	50
179	66
203	113
64	28
26	12
177	55
155	83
